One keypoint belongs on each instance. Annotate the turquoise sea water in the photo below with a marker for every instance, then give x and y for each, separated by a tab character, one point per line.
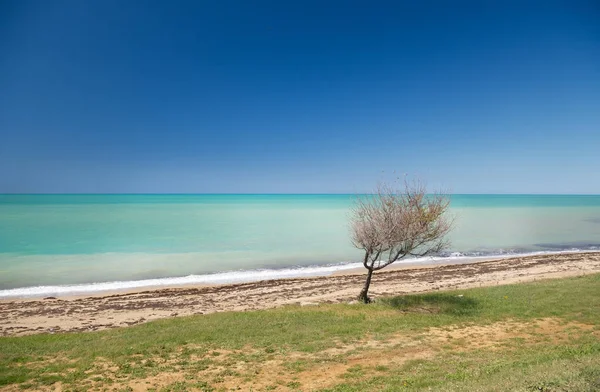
58	240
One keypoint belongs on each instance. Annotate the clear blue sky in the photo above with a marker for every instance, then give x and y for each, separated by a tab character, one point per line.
311	96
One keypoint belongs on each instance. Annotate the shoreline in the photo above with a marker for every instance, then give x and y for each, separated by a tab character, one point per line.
102	311
94	289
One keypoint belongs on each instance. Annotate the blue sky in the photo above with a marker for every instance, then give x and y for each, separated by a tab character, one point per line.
312	96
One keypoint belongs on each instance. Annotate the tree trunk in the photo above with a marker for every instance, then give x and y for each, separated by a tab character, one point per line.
363	296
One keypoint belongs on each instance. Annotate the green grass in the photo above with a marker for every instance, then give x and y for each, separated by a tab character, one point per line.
545	369
209	352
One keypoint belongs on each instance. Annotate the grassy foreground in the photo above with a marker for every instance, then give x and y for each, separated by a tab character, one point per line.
541	336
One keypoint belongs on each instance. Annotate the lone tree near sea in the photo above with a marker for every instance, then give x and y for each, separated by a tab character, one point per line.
392	224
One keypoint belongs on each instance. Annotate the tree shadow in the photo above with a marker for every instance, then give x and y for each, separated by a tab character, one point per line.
433	303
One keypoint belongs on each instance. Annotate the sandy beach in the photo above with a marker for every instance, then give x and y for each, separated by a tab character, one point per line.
66	314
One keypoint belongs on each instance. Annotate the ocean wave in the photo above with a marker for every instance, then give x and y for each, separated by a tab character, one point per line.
208	279
244	276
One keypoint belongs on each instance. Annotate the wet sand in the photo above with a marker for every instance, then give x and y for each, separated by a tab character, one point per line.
90	313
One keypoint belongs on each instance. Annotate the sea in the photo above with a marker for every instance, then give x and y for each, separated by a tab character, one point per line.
79	244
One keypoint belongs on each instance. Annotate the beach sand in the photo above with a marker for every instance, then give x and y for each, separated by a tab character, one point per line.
90	313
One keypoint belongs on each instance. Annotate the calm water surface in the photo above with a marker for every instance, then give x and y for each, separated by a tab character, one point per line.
54	240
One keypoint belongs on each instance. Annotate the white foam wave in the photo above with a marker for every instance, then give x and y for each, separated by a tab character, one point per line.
239	276
217	278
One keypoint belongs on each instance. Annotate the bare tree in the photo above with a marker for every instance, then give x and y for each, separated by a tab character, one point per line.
392	224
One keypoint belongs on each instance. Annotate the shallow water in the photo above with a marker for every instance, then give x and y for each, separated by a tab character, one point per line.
53	240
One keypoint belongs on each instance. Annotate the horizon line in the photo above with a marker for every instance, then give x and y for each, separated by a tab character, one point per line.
272	194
